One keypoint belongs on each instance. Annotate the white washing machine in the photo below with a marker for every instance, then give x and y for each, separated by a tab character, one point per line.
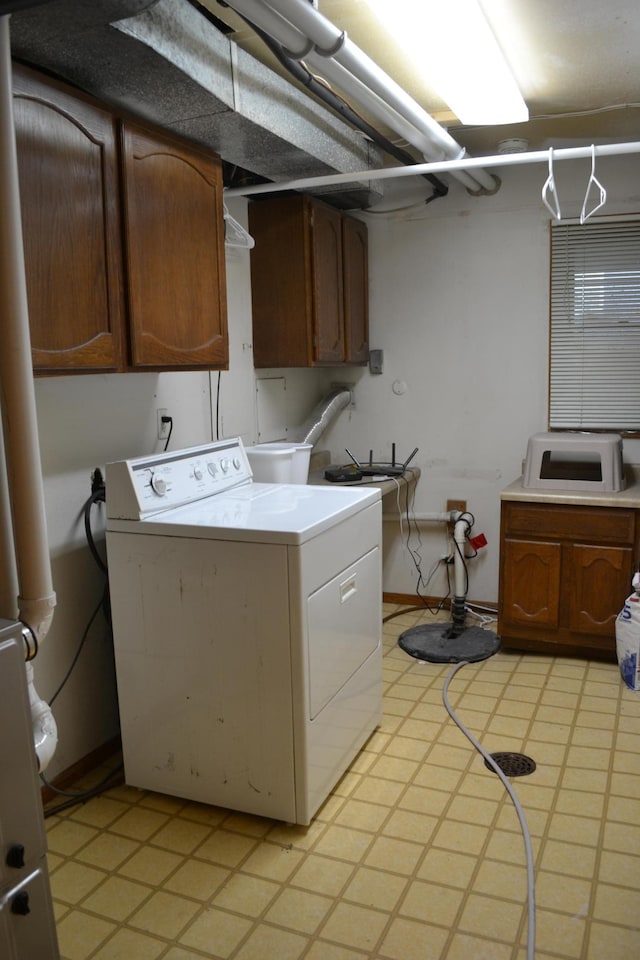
247	629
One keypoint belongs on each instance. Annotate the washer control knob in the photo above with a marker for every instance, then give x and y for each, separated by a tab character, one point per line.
224	466
236	462
212	468
158	485
197	472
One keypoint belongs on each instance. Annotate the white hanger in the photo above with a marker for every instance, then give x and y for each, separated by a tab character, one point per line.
593	182
235	234
549	189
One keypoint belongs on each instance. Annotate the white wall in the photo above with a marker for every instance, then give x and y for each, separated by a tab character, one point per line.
459	304
86	421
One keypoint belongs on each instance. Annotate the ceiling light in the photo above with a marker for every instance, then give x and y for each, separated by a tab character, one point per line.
457	54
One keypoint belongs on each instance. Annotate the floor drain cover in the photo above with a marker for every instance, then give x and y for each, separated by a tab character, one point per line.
512	764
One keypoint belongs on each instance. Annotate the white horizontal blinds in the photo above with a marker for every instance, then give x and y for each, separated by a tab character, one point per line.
595	325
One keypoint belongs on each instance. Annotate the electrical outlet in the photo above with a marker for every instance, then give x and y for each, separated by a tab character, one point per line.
163	427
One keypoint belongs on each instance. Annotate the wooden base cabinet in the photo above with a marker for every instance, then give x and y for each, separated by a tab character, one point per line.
309	284
565	571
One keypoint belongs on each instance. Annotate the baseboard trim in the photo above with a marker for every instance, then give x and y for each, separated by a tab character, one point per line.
83	766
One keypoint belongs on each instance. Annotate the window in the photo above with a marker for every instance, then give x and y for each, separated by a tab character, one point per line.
595	326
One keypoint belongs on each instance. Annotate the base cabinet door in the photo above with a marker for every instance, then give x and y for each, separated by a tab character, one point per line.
532	583
599	574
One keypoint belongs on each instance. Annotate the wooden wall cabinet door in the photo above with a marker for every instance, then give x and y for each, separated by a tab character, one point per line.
355	259
309	284
69	199
328	290
174	246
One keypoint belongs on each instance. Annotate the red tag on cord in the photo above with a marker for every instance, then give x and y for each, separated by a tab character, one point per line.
478	542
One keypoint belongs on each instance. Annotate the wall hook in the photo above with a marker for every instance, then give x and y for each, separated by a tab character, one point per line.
593	182
549	191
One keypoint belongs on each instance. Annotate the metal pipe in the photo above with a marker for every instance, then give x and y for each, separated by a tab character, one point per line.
306	34
440	166
8	572
333	45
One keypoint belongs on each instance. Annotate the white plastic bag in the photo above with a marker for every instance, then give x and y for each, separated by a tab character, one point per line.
628	638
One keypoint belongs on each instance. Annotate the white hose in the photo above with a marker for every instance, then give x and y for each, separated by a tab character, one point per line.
531	925
37	598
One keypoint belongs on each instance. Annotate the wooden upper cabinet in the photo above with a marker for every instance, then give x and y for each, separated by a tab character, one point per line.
69	197
174	246
308	284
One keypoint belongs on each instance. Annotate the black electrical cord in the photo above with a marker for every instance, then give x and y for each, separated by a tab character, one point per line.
76	655
300	73
218	408
98	493
469	520
168	420
75	798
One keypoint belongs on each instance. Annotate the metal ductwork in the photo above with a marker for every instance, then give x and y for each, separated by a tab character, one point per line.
162	61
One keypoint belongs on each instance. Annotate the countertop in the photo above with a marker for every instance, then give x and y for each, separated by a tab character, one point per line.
629	497
320	461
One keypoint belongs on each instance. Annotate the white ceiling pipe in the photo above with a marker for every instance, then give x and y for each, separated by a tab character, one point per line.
440	166
371	86
331	42
299	47
358	91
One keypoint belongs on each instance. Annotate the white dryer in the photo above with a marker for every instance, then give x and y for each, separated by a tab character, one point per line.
247	629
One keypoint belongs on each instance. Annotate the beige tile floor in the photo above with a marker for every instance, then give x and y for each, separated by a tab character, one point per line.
416	855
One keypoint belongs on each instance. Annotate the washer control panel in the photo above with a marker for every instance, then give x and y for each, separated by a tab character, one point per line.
148	485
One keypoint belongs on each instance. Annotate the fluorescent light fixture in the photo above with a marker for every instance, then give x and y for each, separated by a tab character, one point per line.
455	50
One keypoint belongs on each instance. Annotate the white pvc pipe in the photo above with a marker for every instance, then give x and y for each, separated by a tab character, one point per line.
358	91
459	575
8	572
331	43
440	166
436	517
24	472
307	35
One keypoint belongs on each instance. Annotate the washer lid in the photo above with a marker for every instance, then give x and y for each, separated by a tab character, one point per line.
262	512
